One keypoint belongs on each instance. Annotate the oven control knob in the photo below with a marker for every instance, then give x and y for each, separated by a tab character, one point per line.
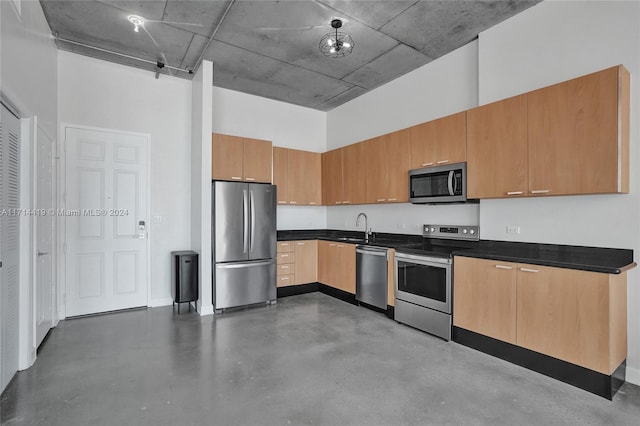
472	231
433	229
465	230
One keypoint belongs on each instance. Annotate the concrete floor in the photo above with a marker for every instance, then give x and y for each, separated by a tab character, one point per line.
311	359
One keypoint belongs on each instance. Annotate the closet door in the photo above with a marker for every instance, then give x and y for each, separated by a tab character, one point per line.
9	198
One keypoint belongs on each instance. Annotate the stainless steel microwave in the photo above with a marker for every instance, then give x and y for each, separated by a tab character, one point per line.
439	184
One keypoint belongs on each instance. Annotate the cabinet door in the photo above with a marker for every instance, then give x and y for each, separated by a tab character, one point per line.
397	157
441	141
332	177
280	164
226	157
564	313
574	144
306	262
257	160
485	297
354	174
345	258
497	149
326	267
376	170
297	177
451	139
313	186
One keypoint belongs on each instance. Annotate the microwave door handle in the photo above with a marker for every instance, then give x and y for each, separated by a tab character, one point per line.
451	183
455	186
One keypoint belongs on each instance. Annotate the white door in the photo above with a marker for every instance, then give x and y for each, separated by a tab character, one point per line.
106	220
9	249
44	236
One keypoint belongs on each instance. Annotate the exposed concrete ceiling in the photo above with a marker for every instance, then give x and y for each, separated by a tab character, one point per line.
271	48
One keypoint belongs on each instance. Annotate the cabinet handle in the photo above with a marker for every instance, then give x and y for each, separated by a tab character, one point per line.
301	244
427	164
284	266
340	245
284	255
392	199
381	200
338	202
282	202
332	245
540	191
251	179
504	267
514	193
236	178
442	161
284	244
293	202
284	278
346	202
312	203
529	270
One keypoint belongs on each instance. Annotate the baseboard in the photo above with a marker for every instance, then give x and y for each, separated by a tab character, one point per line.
338	294
206	310
633	375
165	301
294	290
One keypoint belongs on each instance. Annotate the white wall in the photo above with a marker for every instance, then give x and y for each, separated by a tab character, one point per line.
442	87
551	42
28	70
107	95
286	125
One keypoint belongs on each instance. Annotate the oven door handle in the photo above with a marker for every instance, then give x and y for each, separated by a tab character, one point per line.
423	259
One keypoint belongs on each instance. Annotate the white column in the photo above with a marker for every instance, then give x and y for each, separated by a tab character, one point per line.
201	118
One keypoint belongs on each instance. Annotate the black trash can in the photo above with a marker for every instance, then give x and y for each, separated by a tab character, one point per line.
184	277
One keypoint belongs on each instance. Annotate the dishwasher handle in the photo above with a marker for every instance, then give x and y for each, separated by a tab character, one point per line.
373	251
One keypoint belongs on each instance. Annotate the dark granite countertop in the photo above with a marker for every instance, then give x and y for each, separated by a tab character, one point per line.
594	259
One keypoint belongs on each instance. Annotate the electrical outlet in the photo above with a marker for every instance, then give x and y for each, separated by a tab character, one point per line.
513	229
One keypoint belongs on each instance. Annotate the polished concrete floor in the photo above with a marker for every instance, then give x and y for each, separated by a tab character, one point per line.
309	360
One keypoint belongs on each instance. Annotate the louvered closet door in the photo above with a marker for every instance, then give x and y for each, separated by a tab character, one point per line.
9	197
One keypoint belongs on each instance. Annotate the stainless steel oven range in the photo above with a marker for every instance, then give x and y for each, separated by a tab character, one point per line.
423	277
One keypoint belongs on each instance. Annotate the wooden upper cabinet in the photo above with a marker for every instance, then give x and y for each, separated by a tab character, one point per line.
497	149
280	168
332	170
578	135
257	160
226	157
304	177
241	159
354	175
437	142
314	176
397	153
376	170
485	297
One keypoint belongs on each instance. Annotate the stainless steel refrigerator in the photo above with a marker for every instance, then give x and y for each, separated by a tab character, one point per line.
244	244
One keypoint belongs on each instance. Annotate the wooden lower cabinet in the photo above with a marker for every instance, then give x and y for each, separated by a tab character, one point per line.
575	316
337	265
306	269
285	264
484	297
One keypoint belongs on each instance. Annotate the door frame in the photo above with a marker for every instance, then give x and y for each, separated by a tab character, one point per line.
62	204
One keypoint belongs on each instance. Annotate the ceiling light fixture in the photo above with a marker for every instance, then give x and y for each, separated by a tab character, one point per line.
137	22
336	45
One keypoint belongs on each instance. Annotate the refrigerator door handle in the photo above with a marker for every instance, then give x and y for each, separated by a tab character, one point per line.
243	265
245	205
253	221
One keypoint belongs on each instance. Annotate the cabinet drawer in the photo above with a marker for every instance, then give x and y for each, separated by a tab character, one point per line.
286	246
285	269
285	280
286	258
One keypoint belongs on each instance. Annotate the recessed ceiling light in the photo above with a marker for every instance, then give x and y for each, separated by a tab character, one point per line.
137	22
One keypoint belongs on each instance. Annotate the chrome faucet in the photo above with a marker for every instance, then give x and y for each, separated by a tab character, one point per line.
367	231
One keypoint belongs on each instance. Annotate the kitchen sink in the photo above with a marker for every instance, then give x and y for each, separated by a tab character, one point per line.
353	240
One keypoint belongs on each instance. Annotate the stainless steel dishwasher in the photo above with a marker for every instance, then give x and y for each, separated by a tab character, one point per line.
371	275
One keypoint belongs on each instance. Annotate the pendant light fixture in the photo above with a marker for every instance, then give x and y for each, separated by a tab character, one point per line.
338	44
